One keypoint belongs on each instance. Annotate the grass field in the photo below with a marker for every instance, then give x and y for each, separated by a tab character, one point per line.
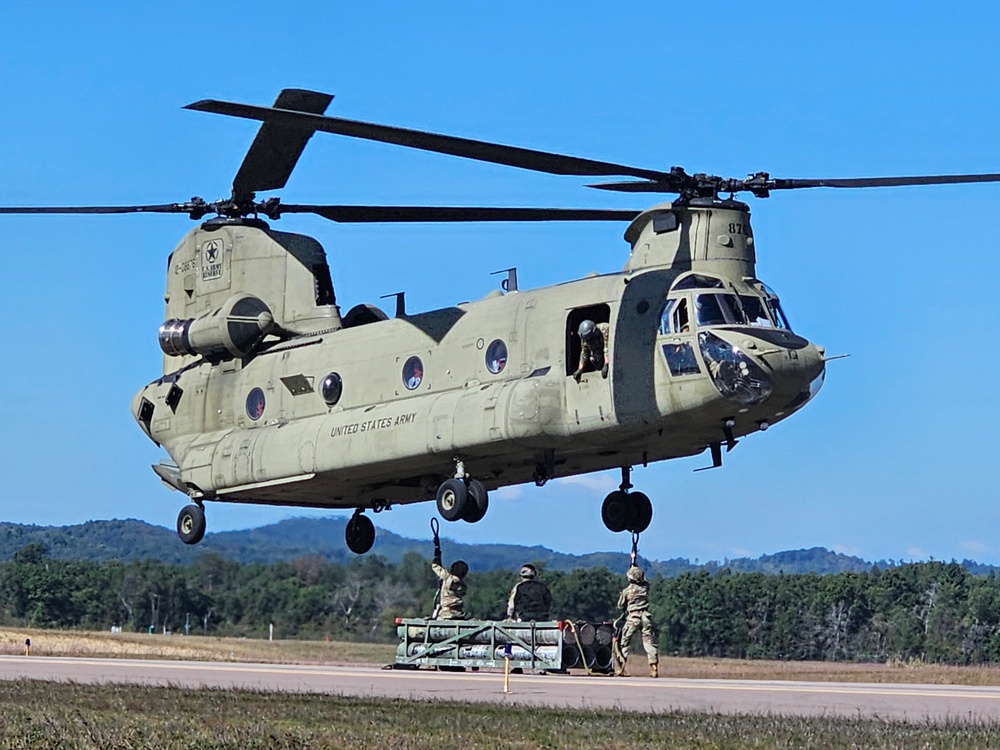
206	648
43	716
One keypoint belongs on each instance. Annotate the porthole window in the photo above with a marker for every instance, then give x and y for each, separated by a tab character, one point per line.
331	389
413	373
255	404
496	357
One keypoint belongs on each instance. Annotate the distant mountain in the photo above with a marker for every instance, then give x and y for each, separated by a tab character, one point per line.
103	541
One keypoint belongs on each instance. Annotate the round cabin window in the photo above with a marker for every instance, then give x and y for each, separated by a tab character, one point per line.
413	373
331	389
255	404
496	357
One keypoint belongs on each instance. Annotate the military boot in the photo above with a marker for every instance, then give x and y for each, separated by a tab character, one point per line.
654	671
620	670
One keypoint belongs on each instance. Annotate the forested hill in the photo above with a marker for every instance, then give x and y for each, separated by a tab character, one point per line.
101	541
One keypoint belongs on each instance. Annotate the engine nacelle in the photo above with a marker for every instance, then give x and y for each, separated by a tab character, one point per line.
231	332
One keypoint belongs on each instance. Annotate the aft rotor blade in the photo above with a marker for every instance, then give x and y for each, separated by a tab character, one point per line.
467	148
762	183
277	147
165	208
425	214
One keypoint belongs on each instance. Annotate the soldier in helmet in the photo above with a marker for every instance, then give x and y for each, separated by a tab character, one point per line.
593	348
451	599
634	600
530	598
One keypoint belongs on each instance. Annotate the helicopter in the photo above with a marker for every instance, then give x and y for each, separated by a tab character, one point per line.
270	395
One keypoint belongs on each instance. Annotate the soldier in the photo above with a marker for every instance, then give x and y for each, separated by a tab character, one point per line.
593	348
451	598
530	598
634	600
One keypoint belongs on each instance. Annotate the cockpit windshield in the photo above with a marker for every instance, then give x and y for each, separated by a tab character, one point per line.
719	310
756	310
711	306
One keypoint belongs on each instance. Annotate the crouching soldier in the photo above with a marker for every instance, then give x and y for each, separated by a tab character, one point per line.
530	599
634	600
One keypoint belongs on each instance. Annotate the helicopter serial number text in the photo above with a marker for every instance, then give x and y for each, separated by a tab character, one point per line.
737	228
185	266
373	424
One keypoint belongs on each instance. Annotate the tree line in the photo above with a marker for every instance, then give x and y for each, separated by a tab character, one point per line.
937	612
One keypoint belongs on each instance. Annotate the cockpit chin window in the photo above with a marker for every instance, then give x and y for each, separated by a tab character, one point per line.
735	375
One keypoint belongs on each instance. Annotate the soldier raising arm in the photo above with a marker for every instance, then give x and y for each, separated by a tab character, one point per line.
451	601
634	600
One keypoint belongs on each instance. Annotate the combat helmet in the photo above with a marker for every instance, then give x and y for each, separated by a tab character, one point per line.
527	572
460	568
586	329
635	574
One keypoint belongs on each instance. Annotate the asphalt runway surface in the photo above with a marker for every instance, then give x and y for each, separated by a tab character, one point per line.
896	701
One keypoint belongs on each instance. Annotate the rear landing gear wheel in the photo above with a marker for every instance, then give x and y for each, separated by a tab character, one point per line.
617	511
452	498
478	502
359	534
191	524
642	512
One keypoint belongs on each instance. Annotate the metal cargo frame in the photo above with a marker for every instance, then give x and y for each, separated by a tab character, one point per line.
479	643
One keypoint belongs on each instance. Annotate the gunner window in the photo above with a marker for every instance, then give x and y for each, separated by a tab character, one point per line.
674	318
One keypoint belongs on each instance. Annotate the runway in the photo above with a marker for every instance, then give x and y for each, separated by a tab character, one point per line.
896	701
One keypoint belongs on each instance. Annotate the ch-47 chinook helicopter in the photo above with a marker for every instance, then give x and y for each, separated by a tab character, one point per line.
269	395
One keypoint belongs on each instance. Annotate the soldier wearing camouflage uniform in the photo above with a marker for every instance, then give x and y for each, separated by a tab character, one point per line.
634	600
594	340
530	599
451	601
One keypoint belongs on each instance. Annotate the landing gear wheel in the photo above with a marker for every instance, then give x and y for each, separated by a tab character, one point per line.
642	512
477	503
617	511
191	524
359	534
452	497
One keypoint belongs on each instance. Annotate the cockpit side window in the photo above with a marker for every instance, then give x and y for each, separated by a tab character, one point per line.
774	306
778	313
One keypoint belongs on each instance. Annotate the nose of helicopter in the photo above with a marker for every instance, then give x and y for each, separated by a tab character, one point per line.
772	372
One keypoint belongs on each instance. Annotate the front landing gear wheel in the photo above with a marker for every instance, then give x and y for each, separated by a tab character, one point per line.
642	512
191	524
478	502
452	497
359	534
617	511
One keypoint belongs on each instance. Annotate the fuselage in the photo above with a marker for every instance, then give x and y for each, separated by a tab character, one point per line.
373	411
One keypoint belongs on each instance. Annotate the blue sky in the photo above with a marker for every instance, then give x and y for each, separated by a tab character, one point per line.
893	460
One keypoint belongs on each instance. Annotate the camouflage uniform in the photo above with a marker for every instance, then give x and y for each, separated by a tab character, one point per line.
595	360
634	600
451	605
529	599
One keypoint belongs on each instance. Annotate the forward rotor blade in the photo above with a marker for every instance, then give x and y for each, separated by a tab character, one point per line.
165	208
424	214
513	156
276	149
863	182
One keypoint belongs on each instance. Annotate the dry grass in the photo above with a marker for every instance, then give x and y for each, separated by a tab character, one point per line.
204	648
50	716
192	647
